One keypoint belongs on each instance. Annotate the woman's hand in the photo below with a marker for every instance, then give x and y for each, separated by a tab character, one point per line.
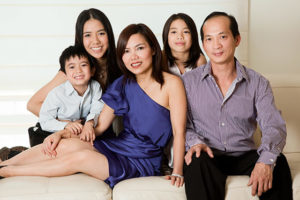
176	179
88	132
50	143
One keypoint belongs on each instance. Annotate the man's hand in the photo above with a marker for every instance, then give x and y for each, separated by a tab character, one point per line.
88	132
197	148
261	178
75	127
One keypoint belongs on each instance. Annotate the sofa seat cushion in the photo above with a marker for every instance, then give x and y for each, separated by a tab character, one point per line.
294	163
74	187
147	188
236	188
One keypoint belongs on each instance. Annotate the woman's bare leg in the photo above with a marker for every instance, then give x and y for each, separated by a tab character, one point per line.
87	161
35	153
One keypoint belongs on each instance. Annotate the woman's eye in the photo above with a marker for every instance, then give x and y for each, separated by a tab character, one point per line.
102	33
86	35
140	48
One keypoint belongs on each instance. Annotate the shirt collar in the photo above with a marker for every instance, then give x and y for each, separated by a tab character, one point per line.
69	88
240	70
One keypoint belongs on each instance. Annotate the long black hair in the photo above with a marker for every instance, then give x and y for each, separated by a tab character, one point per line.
153	43
195	50
111	67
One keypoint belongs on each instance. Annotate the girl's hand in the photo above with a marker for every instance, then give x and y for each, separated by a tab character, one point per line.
176	179
50	143
75	127
88	132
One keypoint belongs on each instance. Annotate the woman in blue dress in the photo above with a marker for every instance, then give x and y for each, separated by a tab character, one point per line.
153	106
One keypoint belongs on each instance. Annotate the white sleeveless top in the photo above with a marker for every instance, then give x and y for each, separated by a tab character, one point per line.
175	70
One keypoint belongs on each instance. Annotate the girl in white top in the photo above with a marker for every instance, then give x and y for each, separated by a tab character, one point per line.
182	51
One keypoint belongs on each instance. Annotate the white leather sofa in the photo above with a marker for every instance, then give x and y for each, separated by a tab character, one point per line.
80	186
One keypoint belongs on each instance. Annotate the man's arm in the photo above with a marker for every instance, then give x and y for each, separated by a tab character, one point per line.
271	123
273	138
194	142
192	137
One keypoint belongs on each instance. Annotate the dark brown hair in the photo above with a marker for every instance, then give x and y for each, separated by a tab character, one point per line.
153	43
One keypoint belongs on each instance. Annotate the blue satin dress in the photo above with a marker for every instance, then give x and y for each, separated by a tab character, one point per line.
138	149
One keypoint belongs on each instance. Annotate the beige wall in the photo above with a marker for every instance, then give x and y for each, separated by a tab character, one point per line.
274	31
274	40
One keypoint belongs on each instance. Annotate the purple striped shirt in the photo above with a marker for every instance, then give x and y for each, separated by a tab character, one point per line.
228	123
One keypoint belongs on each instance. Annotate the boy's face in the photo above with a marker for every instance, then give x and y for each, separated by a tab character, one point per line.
78	71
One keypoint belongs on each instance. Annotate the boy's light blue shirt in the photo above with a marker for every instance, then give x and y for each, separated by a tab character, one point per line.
64	103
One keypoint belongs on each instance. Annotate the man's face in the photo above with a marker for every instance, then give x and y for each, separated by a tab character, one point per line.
219	43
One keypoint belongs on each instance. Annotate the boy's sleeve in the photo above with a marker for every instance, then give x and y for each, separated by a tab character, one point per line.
48	114
97	103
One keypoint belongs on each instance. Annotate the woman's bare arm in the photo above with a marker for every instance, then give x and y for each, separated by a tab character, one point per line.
105	119
178	109
35	102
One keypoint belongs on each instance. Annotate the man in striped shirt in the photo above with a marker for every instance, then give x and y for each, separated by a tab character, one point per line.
226	101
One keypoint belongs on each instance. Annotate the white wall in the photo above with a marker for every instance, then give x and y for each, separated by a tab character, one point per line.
33	33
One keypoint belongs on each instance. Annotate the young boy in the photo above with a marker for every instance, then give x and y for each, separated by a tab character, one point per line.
75	102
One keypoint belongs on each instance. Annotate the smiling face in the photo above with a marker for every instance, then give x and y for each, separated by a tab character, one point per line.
219	43
78	72
95	39
137	55
179	37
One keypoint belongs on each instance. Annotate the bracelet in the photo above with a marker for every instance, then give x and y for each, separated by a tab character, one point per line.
177	175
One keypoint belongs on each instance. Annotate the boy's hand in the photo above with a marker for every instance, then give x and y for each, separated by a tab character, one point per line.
88	133
75	127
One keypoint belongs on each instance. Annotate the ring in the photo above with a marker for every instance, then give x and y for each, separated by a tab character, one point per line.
177	175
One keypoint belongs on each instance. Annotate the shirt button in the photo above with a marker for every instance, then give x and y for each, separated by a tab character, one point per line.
224	143
272	160
222	124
